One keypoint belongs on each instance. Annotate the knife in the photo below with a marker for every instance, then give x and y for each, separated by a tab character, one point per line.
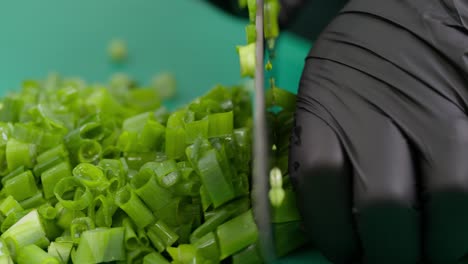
261	145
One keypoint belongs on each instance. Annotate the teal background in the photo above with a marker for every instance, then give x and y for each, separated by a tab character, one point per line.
187	37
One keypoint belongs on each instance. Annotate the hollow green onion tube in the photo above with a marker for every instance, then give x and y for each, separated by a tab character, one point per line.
65	216
249	255
32	254
271	15
47	211
80	225
11	109
148	189
152	135
34	201
61	250
220	124
143	237
155	258
131	239
40	168
112	168
161	235
247	59
52	229
251	33
92	130
219	189
129	202
58	151
220	216
101	211
28	230
19	153
11	219
9	205
4	259
184	254
4	248
13	174
211	224
252	7
52	176
208	247
71	184
91	176
205	198
167	172
21	186
196	129
237	234
90	151
175	142
136	123
137	255
101	245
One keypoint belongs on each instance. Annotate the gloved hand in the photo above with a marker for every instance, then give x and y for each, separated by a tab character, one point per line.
379	149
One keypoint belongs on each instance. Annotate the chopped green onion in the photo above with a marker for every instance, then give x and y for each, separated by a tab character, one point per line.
9	205
161	235
165	85
183	254
90	151
175	142
101	245
134	207
220	124
58	151
32	254
11	219
247	59
34	201
197	129
251	33
72	185
154	258
142	237
22	186
208	247
252	6
249	255
47	211
80	225
131	239
13	174
271	14
237	234
60	250
52	176
90	175
101	211
117	50
214	179
147	188
28	230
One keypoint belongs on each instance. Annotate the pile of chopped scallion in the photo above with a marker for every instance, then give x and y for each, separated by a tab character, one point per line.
105	173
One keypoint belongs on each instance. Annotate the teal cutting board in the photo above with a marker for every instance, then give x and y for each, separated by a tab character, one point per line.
187	37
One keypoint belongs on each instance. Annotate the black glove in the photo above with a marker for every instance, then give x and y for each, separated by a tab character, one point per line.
379	151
